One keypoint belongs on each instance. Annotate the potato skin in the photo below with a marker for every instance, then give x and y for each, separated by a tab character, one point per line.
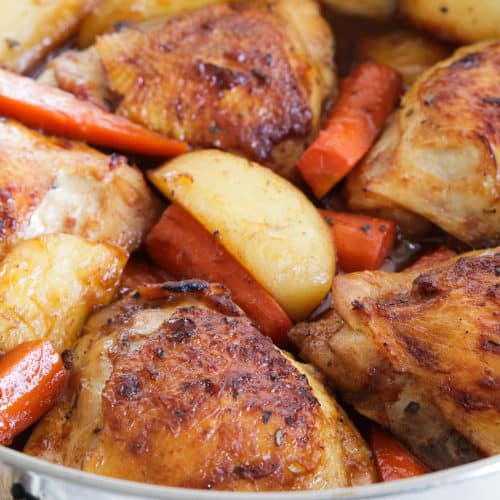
109	12
50	284
30	29
406	51
377	9
266	223
460	21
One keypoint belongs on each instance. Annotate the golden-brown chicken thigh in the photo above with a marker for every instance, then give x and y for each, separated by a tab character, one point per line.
249	77
172	385
439	158
50	185
418	352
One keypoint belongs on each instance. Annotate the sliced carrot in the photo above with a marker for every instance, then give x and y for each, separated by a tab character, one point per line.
361	242
140	271
366	99
32	377
185	249
63	114
392	459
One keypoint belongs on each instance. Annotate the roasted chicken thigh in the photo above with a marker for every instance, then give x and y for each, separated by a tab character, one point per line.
50	185
418	352
172	385
439	158
248	77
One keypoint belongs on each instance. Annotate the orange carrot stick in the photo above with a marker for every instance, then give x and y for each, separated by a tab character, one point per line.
366	99
361	242
32	377
61	113
392	459
185	249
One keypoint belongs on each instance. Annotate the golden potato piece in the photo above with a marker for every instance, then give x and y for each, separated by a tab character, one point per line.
49	285
30	29
266	223
406	51
109	13
461	21
378	9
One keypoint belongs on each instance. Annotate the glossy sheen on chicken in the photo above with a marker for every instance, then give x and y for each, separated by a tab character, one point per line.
250	77
440	156
417	351
172	385
50	185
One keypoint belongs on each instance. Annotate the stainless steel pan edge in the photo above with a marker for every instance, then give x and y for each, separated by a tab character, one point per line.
45	481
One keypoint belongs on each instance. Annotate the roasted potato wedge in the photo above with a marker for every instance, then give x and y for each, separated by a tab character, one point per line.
30	29
266	223
461	21
109	13
50	284
378	9
406	51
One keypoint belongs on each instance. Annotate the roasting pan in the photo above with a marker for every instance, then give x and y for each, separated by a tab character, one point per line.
23	477
26	478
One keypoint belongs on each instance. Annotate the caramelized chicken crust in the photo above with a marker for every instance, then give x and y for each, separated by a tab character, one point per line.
51	185
417	351
172	385
439	158
249	77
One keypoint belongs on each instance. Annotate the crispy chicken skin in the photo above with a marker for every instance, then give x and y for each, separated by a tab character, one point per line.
68	187
172	385
440	156
417	351
249	77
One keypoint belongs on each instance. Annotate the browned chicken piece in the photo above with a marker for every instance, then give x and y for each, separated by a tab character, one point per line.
417	351
81	73
68	187
439	158
250	77
173	385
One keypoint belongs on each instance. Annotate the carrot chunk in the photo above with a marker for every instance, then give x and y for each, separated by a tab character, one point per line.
361	242
366	99
185	249
32	377
61	113
392	459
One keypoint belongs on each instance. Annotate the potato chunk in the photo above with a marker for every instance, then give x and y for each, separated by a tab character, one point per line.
378	9
461	21
30	29
49	285
109	13
266	223
406	51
